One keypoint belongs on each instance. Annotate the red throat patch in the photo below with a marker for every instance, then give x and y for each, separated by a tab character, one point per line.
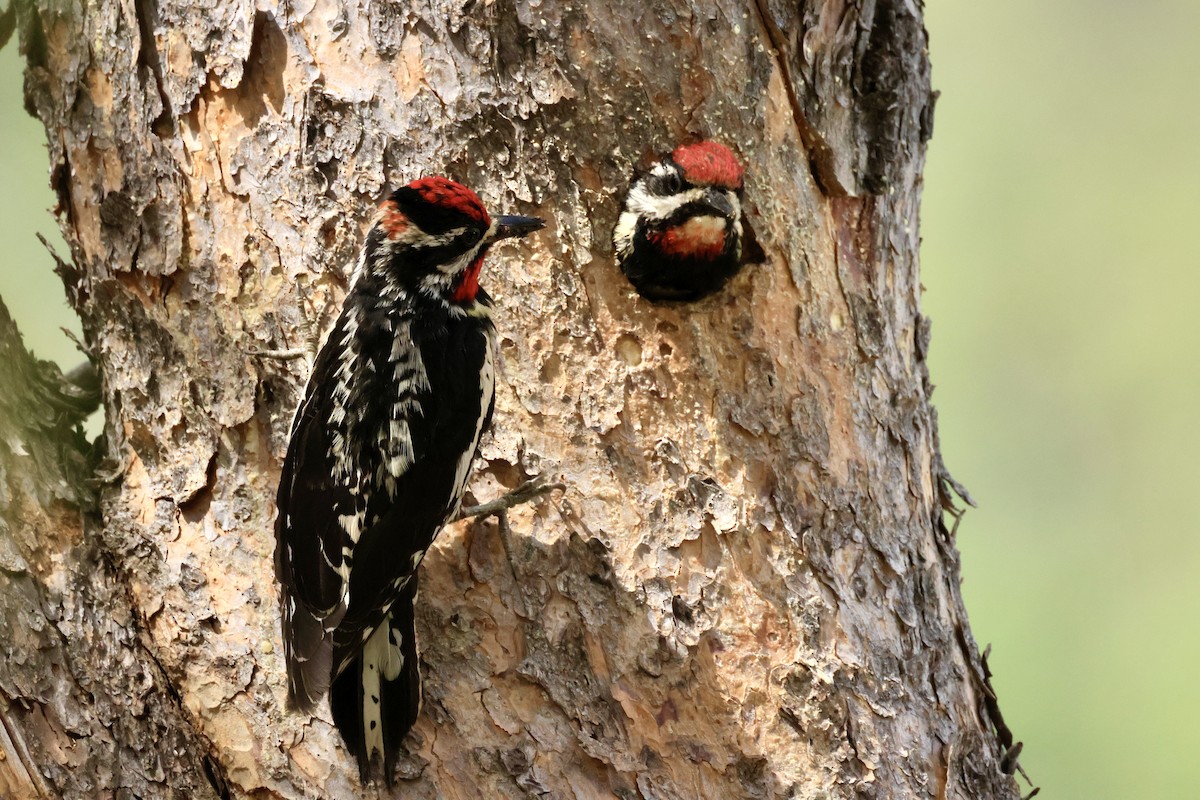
699	237
709	164
446	193
392	220
468	284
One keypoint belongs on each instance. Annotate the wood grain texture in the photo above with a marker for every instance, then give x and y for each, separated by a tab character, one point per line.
746	589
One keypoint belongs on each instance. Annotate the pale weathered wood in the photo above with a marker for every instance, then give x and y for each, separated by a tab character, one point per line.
745	589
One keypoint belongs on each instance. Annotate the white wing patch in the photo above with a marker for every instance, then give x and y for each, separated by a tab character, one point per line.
352	525
487	387
409	380
343	459
623	233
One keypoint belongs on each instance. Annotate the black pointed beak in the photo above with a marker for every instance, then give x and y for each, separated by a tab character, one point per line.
718	201
508	227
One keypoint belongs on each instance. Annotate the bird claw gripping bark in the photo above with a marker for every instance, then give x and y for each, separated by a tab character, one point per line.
312	343
526	492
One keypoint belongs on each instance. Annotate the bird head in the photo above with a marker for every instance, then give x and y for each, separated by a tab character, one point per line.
432	236
682	219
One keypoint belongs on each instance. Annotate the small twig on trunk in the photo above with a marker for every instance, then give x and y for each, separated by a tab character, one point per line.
283	355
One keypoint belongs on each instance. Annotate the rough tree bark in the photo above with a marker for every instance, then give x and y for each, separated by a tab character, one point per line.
746	589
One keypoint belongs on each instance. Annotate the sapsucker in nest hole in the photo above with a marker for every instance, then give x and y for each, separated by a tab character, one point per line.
379	455
682	234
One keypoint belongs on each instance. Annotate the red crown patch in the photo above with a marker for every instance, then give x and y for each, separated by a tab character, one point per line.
445	193
709	164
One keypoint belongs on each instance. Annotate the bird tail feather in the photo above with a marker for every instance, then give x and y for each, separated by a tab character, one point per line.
376	698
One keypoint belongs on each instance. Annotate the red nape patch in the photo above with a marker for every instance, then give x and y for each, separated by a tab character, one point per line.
392	220
468	283
446	193
709	164
698	237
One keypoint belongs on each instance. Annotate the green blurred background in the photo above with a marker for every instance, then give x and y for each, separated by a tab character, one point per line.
1063	278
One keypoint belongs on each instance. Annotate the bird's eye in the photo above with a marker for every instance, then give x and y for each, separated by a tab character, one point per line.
473	235
672	183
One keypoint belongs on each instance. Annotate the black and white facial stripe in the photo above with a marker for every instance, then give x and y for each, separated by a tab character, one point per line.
663	197
681	233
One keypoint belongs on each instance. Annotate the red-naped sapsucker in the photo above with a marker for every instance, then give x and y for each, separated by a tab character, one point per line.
379	455
682	232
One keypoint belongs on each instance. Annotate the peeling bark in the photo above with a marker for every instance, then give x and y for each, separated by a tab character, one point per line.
85	709
746	588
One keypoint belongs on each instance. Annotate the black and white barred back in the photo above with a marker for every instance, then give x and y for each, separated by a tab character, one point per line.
380	452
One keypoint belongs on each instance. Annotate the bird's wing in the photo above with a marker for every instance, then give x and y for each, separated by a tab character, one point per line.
347	543
308	549
454	412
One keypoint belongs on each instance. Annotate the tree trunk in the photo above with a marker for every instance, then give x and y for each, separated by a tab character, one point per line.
746	588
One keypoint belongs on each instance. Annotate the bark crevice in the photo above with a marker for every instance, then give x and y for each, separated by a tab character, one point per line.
821	158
